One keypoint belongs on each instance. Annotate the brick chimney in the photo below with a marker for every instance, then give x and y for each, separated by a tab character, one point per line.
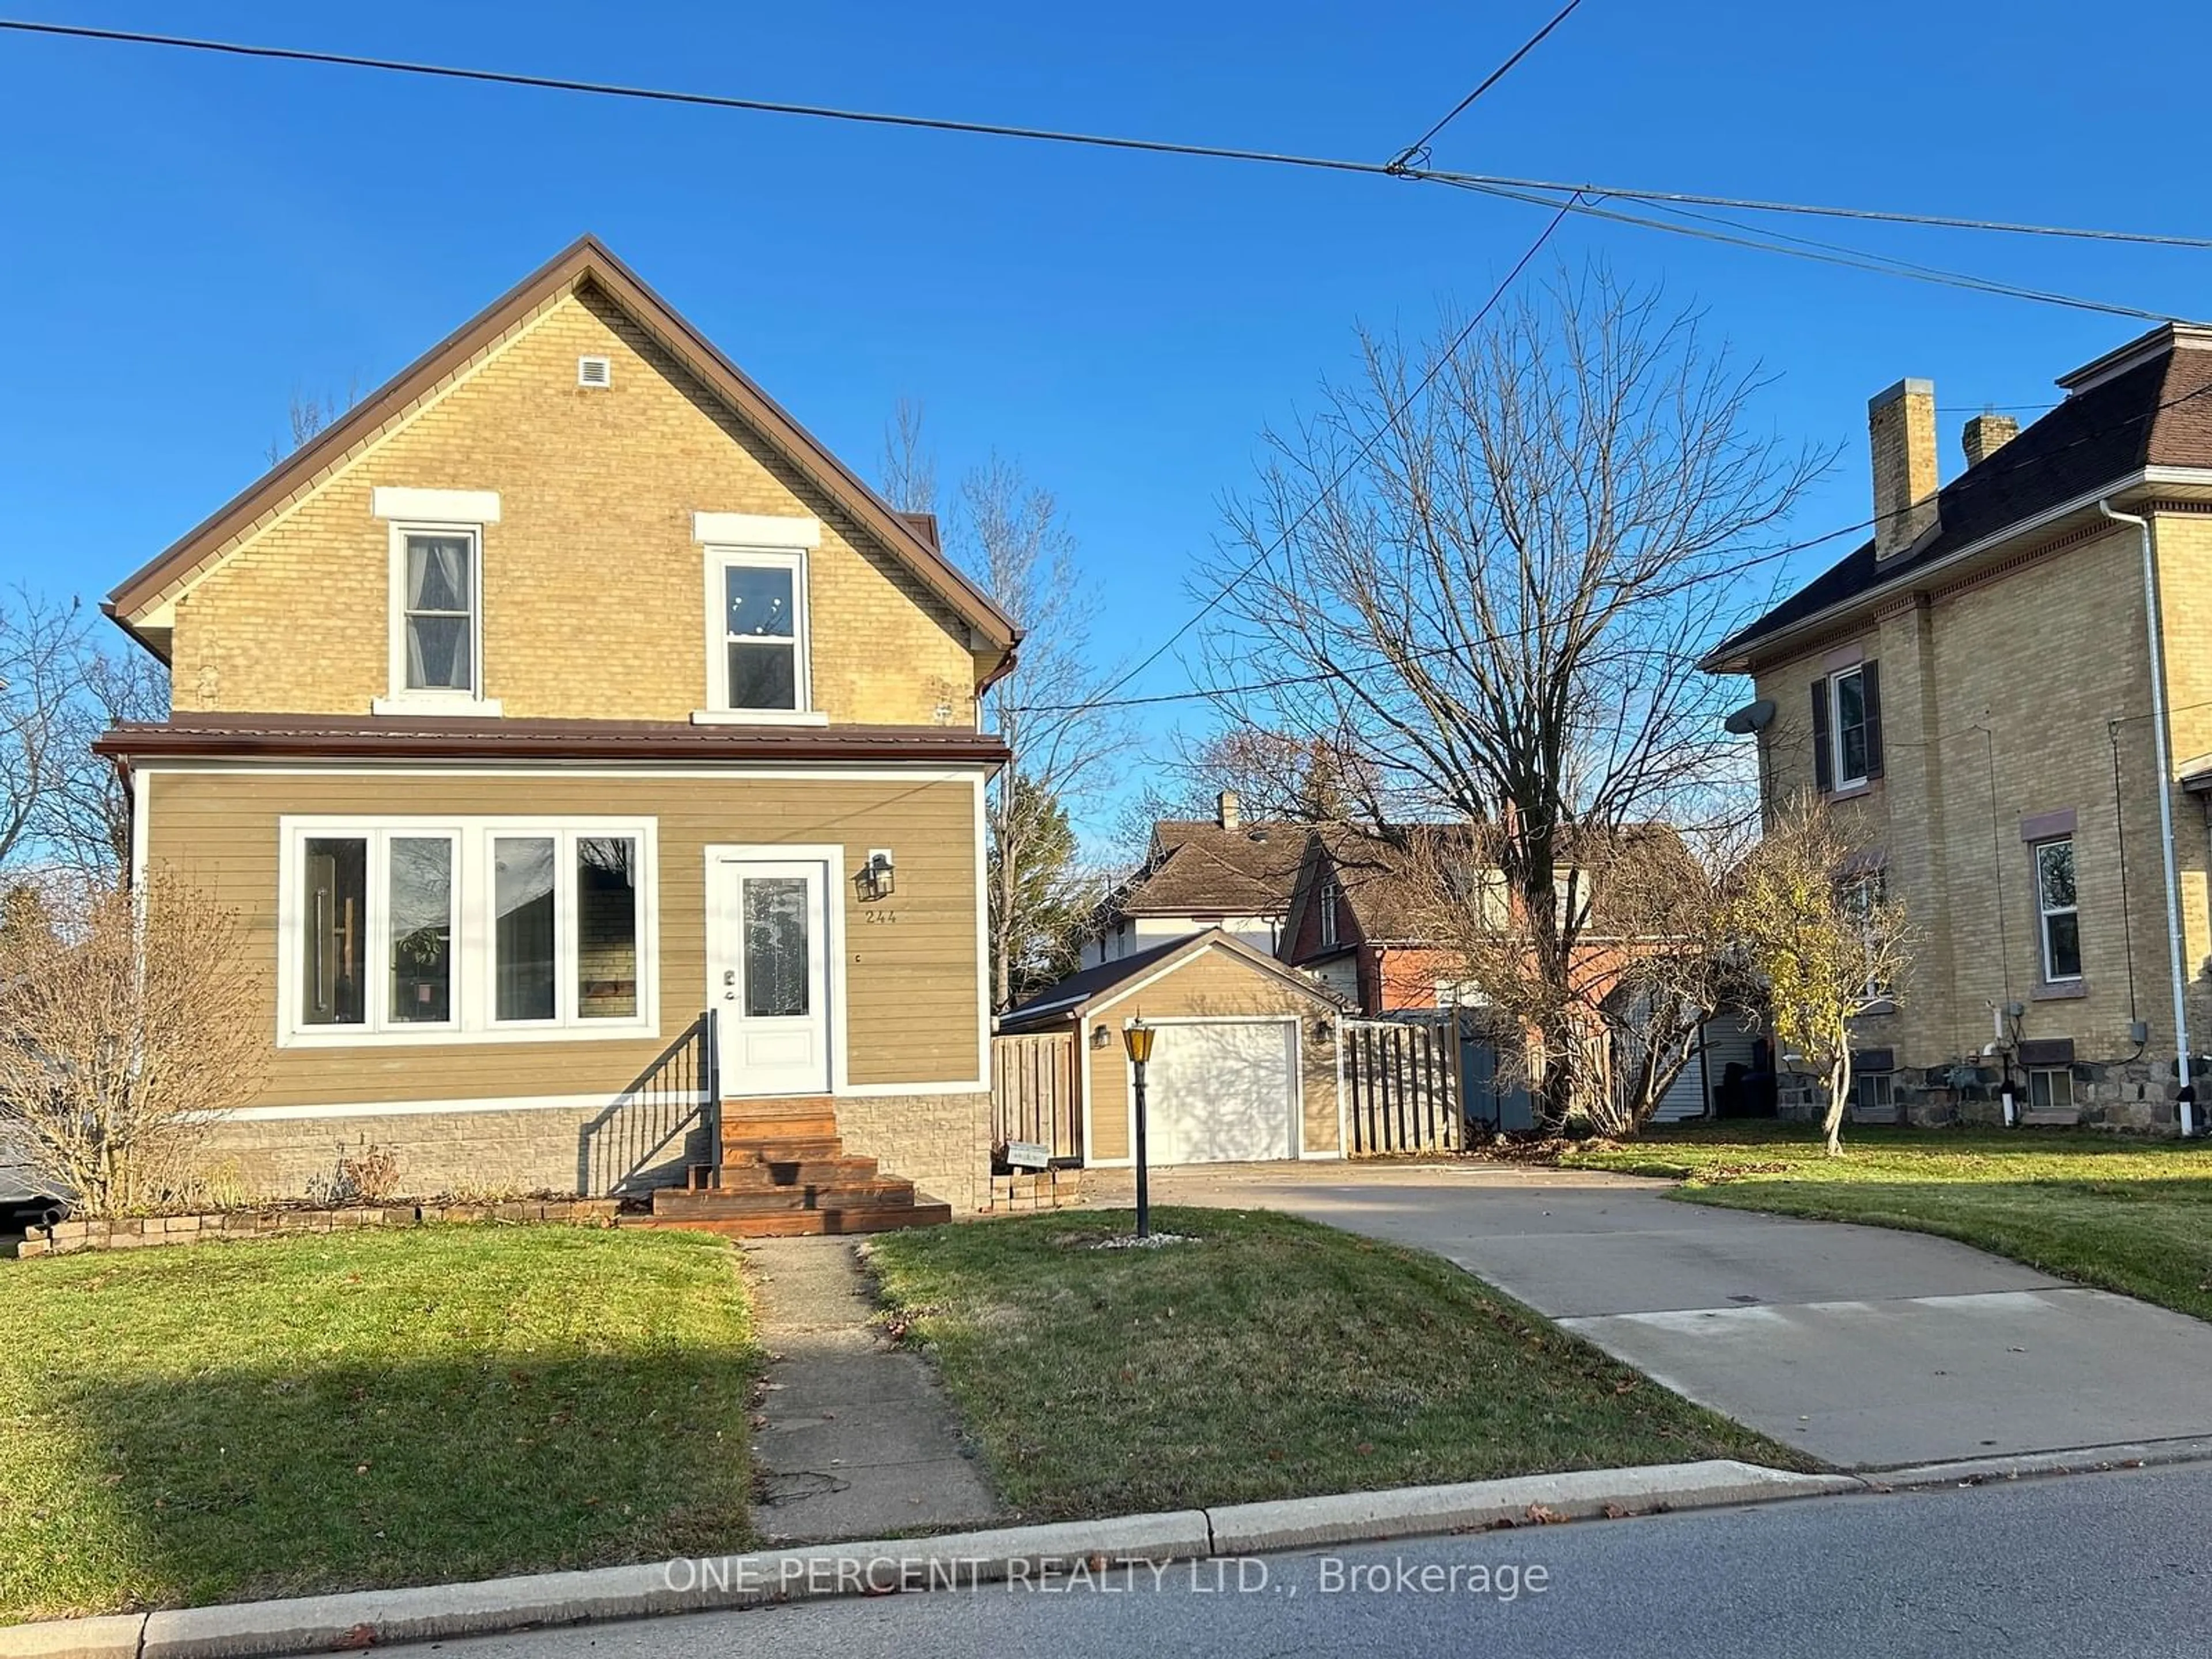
1986	434
1227	811
1901	424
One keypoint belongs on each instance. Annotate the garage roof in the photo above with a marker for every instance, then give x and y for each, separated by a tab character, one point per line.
1093	989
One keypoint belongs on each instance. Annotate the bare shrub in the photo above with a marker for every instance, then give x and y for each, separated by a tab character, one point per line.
128	1023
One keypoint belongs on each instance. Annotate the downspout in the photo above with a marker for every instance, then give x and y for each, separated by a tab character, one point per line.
2183	1068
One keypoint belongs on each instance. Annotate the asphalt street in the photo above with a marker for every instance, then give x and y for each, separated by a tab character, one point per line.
2112	1564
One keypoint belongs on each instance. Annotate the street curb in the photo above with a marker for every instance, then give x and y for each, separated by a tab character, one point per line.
325	1624
1409	1511
2023	1466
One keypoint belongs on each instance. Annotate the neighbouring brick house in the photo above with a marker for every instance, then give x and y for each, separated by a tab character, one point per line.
2006	695
1223	872
563	692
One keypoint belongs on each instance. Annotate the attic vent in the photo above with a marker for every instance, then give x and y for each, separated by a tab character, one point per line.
594	372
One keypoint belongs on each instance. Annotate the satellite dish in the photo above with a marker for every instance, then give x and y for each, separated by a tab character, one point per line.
1752	717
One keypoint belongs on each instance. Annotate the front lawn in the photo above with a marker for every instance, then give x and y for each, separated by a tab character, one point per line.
2117	1211
1269	1357
338	1412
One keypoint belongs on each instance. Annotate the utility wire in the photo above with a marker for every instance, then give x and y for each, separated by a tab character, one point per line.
1361	454
1284	682
1803	248
1419	147
1554	187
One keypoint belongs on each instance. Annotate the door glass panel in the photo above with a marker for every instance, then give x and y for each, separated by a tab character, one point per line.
422	929
775	926
606	928
523	880
334	916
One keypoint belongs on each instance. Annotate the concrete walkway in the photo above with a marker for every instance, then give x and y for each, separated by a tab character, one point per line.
1869	1348
857	1440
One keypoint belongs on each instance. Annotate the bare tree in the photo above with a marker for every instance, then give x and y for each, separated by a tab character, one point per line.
128	1024
1010	535
1487	573
307	414
60	802
910	469
1825	939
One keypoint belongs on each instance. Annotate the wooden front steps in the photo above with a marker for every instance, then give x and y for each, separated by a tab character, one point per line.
785	1172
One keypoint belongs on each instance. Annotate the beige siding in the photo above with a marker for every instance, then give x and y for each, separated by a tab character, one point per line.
1212	984
594	590
912	1014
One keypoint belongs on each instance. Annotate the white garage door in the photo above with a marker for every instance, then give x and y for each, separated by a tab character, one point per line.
1221	1091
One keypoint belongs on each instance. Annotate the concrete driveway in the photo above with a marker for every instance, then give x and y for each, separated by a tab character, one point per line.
1868	1347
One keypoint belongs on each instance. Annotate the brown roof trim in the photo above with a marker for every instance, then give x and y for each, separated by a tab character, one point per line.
310	737
584	260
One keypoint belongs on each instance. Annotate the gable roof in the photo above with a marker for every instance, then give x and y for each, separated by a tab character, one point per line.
1198	868
1082	992
1383	882
2144	405
585	262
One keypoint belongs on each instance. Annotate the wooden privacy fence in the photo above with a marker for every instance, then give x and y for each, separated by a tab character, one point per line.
1033	1095
1401	1086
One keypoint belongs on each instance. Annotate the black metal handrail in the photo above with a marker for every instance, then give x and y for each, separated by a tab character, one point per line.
647	1137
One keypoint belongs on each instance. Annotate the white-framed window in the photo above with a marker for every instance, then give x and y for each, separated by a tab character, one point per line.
2059	914
436	623
758	644
1847	726
2051	1089
417	929
1330	893
1863	897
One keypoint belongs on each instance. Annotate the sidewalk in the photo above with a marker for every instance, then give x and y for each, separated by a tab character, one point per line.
857	1441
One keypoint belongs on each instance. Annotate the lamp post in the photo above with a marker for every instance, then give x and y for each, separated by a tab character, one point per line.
1137	1037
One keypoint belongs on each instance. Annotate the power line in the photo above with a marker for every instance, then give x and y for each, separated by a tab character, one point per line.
1284	682
1419	146
1365	448
1827	253
1554	187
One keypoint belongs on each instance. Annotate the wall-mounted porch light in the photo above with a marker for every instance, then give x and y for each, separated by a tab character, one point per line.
879	876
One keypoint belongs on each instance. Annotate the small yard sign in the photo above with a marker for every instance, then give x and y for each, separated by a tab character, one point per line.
1029	1155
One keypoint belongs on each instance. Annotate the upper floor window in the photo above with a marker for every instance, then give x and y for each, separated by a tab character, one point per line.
436	624
1847	728
763	664
2058	908
438	610
1329	895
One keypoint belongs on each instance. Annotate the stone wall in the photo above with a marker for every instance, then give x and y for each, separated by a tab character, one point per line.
161	1231
941	1143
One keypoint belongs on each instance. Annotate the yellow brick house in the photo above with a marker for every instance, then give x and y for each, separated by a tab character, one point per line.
2005	694
594	761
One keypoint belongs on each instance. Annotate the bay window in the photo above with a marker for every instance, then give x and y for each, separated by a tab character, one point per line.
399	928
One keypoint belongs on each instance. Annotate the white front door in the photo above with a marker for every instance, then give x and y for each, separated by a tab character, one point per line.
767	968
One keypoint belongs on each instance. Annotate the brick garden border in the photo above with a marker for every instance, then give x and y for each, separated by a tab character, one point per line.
142	1232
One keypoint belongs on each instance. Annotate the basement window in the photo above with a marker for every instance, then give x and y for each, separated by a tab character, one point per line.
2051	1089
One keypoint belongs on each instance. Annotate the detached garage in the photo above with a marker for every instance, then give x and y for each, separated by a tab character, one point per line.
1243	1069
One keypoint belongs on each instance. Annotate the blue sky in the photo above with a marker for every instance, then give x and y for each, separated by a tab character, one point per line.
190	240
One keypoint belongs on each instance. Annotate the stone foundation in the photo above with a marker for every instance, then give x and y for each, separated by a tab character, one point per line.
941	1143
502	1152
2137	1095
